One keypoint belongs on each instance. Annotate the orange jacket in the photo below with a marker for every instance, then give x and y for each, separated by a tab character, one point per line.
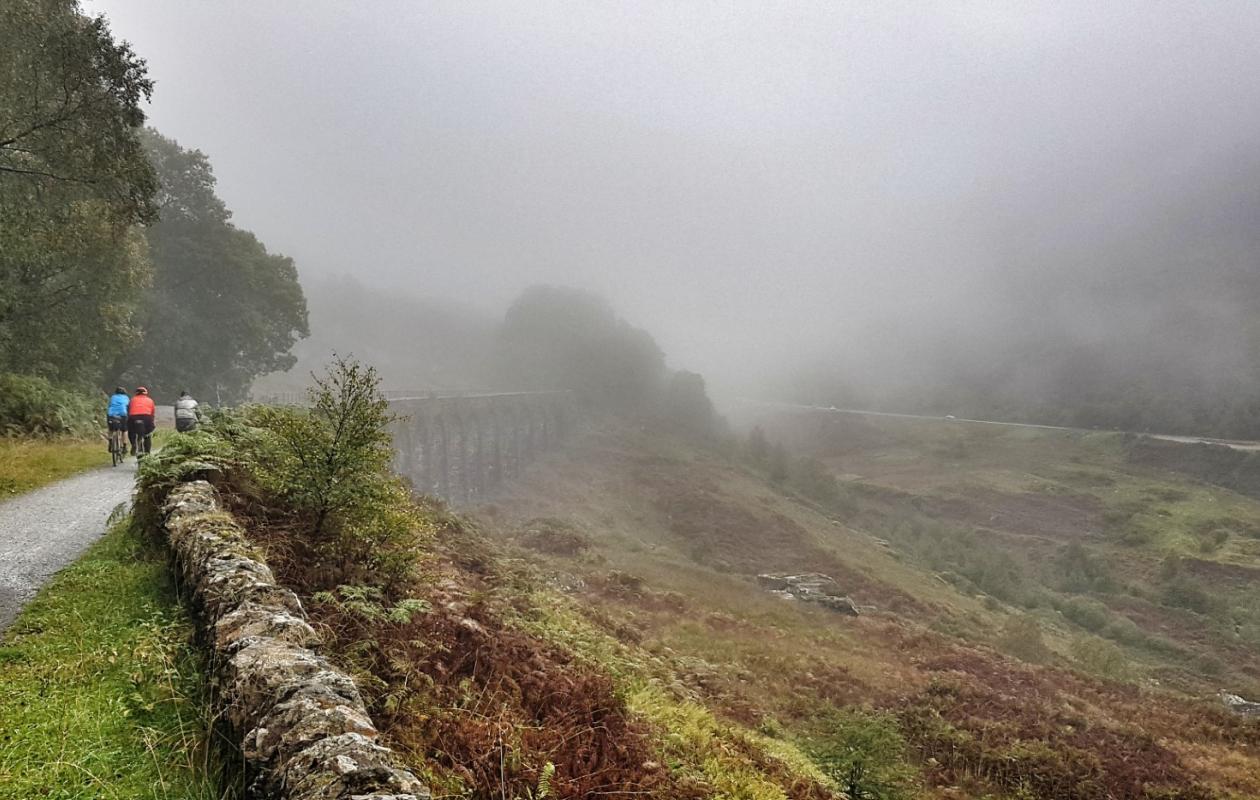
140	404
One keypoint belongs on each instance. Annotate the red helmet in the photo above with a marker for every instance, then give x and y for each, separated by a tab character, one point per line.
141	390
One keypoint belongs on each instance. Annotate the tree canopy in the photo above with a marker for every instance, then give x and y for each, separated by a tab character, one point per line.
561	338
222	309
74	182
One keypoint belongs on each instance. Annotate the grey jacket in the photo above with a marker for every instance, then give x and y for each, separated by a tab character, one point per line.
185	408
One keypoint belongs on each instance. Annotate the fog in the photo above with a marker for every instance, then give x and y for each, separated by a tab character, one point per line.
875	191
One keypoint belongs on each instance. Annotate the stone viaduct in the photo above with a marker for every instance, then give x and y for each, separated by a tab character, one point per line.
460	448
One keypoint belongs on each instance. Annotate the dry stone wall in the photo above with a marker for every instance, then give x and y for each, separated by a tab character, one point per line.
302	728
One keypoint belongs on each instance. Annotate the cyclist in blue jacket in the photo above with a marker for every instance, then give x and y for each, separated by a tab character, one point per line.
116	414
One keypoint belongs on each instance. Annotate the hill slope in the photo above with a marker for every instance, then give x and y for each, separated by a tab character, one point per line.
1036	620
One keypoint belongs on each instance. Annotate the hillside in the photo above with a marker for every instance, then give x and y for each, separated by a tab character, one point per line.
1040	615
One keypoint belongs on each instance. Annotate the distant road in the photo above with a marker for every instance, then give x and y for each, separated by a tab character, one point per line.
1231	443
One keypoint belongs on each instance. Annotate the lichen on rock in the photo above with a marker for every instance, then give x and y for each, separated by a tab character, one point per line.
300	724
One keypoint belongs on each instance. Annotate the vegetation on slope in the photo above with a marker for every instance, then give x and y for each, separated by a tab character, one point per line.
102	694
491	682
657	542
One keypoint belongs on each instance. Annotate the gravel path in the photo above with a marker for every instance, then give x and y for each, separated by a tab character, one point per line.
44	530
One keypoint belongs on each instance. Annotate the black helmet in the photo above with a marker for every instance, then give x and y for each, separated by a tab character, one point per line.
119	390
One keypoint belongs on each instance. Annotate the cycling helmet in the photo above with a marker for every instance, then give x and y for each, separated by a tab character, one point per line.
141	390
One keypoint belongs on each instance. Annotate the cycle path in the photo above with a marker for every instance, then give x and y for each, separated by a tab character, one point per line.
46	529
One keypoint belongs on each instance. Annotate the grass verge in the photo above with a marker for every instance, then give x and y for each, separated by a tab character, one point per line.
27	464
102	693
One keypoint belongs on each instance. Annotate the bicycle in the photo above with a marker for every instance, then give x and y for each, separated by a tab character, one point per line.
144	444
117	446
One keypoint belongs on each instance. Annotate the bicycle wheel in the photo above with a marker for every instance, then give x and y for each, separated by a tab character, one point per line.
113	448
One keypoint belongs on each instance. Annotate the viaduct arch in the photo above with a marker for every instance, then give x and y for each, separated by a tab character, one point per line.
463	447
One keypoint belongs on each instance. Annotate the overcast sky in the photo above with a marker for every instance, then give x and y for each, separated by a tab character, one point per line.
738	178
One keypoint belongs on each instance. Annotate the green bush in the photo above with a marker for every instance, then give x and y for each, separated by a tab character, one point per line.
320	477
1091	615
1125	631
864	753
1182	590
32	405
330	467
1101	657
1079	570
1021	637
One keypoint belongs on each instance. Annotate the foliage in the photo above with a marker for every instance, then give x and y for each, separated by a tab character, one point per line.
1091	615
332	457
687	405
222	309
33	405
1101	657
74	182
1179	589
1079	570
322	474
102	693
1021	637
864	753
559	338
963	552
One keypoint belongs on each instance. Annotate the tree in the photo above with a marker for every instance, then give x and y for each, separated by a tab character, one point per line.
74	182
223	310
687	404
330	465
559	338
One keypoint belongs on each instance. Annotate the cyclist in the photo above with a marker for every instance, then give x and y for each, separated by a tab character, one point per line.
116	414
140	424
185	412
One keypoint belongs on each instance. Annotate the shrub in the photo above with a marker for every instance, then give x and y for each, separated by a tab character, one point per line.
329	466
1021	637
864	753
1181	590
1101	658
320	480
1080	570
554	536
1209	665
1091	615
1124	630
811	478
32	405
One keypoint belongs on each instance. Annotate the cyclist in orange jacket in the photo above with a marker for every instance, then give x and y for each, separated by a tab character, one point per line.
140	422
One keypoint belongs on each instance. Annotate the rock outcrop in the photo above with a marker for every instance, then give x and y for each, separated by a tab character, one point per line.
811	587
1240	706
302	728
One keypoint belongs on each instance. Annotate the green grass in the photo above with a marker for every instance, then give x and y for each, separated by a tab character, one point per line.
27	464
102	693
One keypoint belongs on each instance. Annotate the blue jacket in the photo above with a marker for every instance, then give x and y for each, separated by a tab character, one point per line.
118	405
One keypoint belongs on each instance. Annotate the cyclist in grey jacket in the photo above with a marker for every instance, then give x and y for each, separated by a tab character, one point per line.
185	412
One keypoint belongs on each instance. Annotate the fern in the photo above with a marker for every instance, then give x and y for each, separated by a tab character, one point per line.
544	781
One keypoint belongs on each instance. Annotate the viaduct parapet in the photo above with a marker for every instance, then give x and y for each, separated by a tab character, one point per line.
462	448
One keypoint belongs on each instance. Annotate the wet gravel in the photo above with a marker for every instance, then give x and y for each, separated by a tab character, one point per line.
44	530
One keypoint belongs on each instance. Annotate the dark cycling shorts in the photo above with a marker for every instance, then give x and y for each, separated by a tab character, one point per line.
140	424
185	424
118	423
